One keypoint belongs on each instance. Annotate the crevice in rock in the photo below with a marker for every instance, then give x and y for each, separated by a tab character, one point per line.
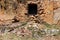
15	20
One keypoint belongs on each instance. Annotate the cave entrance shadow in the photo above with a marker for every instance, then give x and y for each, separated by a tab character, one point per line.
32	9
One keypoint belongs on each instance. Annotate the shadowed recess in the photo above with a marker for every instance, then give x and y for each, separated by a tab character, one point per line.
32	9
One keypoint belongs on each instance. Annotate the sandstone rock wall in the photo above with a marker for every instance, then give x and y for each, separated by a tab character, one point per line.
19	9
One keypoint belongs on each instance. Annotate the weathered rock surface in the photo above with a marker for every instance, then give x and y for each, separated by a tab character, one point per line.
13	9
57	15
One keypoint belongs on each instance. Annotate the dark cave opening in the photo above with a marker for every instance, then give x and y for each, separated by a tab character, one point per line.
32	9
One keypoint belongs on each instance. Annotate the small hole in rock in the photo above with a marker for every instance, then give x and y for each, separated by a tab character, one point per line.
32	9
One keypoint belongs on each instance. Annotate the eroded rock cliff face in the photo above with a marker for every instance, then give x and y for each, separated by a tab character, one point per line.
18	9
